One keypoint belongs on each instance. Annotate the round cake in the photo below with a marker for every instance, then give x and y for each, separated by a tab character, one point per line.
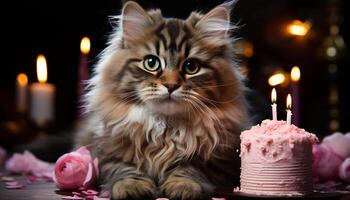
276	160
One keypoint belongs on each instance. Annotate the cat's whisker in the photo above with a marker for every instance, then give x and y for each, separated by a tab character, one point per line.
123	101
214	86
213	101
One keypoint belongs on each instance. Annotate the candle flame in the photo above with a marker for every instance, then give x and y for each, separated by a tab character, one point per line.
41	68
22	79
289	102
295	74
276	79
273	95
298	28
85	45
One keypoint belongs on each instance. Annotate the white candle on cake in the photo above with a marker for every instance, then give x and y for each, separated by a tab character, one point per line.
42	95
21	93
274	105
289	112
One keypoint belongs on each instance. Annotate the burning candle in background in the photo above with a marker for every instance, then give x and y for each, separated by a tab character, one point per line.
83	70
289	112
42	95
21	97
295	77
274	105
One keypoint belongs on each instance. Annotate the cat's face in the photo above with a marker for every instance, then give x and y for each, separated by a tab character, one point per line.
174	66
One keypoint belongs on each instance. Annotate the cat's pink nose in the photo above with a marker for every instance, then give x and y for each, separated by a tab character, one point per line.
171	87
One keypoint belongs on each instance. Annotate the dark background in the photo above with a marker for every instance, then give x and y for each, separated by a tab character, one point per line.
55	28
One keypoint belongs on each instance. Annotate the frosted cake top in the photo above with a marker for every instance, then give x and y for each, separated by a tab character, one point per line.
275	140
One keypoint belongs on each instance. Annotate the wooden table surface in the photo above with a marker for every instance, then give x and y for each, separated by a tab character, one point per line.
38	190
41	190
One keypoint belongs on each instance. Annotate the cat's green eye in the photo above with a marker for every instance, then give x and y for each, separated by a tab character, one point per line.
151	63
191	66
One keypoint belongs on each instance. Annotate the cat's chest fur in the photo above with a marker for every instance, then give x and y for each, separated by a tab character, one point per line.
154	143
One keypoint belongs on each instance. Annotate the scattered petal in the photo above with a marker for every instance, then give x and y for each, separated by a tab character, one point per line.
7	178
10	187
75	197
76	193
102	198
12	183
90	192
344	170
27	163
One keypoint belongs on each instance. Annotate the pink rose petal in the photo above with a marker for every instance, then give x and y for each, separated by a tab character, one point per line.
344	170
162	198
90	197
100	198
90	192
76	193
76	170
7	179
339	143
347	135
19	186
75	197
218	198
83	150
12	183
89	175
325	163
27	163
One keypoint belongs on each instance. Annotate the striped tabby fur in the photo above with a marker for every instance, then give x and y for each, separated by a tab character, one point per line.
166	132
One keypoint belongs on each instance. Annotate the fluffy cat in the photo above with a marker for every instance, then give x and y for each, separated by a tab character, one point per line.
166	106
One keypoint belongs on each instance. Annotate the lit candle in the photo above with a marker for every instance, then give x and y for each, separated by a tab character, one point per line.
274	105
22	86
42	95
298	28
83	71
295	77
289	112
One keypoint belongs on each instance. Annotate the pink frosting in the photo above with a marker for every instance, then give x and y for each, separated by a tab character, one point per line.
276	159
274	140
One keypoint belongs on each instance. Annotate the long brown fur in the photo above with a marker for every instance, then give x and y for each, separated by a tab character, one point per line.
151	146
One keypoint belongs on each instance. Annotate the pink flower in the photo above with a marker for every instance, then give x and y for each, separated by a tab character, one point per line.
344	170
76	170
2	155
325	163
27	163
339	143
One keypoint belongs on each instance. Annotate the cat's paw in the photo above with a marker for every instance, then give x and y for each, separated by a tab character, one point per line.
130	188
181	188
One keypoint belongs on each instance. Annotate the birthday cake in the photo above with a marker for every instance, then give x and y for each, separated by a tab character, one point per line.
276	160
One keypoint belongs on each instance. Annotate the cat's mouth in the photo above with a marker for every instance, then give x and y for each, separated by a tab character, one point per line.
169	99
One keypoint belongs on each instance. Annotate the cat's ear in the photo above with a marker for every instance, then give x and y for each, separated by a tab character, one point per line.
216	23
134	19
